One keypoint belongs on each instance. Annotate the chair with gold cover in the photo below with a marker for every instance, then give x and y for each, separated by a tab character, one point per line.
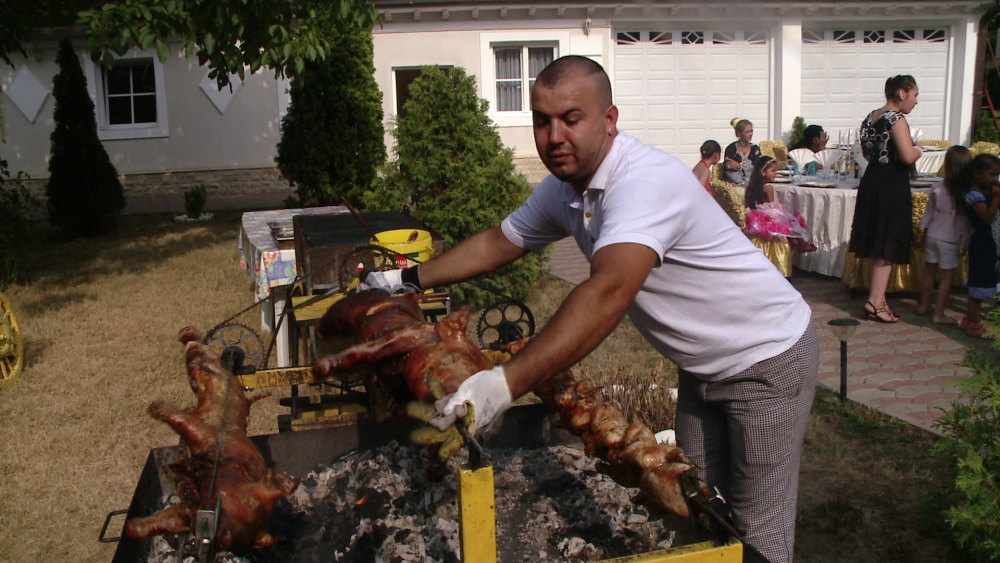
717	172
777	250
980	147
776	150
935	143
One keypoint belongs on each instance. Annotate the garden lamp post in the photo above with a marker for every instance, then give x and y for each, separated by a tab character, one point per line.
843	329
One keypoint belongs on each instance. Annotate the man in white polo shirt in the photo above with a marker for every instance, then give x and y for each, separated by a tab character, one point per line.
662	251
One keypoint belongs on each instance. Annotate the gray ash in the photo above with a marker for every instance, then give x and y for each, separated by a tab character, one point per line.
376	506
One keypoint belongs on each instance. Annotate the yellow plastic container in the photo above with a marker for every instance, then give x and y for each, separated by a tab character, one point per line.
409	243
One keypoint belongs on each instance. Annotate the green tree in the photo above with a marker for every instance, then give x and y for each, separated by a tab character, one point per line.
986	129
455	174
332	138
84	194
798	128
228	36
971	443
19	19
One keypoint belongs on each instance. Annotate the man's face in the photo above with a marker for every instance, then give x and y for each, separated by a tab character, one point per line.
573	133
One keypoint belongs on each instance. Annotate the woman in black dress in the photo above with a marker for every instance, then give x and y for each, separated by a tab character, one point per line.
741	155
882	217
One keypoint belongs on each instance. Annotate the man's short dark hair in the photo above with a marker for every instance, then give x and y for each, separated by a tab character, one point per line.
571	66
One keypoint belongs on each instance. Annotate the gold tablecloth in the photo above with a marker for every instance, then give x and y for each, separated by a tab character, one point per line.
857	271
778	251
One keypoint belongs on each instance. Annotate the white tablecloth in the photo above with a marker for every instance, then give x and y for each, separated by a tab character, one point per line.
829	213
931	161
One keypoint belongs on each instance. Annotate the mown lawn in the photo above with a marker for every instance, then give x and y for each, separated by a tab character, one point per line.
100	319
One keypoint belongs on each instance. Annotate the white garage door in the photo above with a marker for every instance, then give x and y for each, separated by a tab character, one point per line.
675	88
844	73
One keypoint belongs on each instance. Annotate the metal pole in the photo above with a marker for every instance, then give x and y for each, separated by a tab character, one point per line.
843	370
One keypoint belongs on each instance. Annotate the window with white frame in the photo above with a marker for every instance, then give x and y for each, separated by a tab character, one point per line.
130	93
129	96
516	69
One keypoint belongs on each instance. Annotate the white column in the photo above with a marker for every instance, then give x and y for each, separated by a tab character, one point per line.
270	312
787	95
963	101
279	296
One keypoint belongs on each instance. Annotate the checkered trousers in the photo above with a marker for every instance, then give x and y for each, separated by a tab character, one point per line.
745	433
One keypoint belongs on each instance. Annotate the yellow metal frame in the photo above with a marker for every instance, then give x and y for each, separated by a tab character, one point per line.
11	344
703	552
477	517
477	526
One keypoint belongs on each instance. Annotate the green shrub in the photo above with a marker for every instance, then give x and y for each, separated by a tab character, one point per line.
454	173
16	204
332	138
798	128
84	194
194	201
986	129
972	445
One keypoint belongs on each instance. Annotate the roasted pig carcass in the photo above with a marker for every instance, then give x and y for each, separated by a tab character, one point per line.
244	486
630	453
392	338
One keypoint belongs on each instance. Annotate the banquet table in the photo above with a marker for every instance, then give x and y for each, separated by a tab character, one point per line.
829	212
931	161
273	268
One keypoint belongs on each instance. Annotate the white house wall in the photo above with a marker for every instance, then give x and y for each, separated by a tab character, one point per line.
413	46
199	137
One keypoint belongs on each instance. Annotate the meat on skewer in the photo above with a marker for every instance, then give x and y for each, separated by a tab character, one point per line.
630	453
244	484
391	334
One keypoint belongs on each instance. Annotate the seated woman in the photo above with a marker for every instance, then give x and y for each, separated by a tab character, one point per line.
741	155
815	139
767	219
711	153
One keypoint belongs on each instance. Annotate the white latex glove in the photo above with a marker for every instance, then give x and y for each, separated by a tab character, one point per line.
386	280
488	393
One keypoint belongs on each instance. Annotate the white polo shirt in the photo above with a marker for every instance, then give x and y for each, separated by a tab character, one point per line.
713	305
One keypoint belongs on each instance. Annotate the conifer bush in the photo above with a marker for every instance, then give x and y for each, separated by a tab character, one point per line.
454	173
986	129
798	129
332	138
972	446
85	196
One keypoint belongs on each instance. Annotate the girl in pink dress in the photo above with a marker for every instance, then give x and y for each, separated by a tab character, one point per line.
768	219
947	233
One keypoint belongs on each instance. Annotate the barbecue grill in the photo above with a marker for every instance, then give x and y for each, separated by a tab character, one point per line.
297	453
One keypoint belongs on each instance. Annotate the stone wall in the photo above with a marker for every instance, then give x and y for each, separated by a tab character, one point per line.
532	168
225	188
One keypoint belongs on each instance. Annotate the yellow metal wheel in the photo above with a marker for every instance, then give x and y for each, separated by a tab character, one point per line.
11	344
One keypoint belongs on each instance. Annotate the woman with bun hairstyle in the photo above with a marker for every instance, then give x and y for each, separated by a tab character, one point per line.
741	155
883	216
711	153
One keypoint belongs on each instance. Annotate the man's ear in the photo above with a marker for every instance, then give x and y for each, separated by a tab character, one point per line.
611	118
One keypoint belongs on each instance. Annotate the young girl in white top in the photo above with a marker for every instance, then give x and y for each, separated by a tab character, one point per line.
947	233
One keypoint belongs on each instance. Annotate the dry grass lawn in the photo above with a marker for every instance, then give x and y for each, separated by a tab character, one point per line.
100	319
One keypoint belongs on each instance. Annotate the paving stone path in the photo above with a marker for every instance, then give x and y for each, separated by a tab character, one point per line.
906	370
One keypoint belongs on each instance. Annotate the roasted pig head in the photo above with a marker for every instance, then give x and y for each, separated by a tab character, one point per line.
244	487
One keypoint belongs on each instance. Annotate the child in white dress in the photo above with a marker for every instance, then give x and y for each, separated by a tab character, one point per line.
947	233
